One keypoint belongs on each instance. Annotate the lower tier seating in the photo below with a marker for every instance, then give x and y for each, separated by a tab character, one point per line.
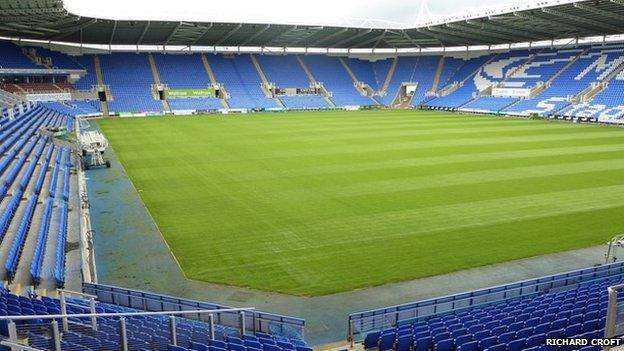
143	332
513	325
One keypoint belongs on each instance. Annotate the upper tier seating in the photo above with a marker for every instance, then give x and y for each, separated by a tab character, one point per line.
59	60
13	57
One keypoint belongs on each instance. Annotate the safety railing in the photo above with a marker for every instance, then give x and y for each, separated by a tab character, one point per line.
257	321
614	326
117	330
378	319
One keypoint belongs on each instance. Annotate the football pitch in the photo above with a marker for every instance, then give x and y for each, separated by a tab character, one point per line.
313	203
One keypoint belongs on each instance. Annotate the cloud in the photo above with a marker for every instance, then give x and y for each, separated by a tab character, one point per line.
351	13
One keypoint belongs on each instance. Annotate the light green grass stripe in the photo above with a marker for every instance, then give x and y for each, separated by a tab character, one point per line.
246	172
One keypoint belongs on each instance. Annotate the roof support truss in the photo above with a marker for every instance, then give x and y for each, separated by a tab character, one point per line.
173	32
578	19
519	28
376	39
112	35
203	34
147	25
511	31
481	33
441	37
73	30
450	32
229	34
545	21
253	37
328	37
603	13
351	38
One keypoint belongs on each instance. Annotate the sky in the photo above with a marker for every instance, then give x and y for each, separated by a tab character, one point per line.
355	13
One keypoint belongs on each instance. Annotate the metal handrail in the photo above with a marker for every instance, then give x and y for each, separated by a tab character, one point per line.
162	298
15	346
122	314
76	293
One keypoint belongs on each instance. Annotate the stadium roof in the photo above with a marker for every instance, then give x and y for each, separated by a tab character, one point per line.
49	20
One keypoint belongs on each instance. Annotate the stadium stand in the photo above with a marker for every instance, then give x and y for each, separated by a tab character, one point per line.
590	68
144	332
241	80
90	79
462	77
329	71
575	308
40	173
58	60
372	73
130	79
419	69
561	79
284	70
175	71
75	107
23	147
13	57
565	74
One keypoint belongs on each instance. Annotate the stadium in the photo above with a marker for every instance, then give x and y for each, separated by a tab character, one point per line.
298	176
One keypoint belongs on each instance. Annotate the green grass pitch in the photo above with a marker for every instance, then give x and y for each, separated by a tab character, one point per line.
318	203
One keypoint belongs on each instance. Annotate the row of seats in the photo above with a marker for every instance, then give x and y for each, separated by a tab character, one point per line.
25	223
175	71
61	239
143	332
335	78
13	57
24	172
514	325
257	342
42	234
75	107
